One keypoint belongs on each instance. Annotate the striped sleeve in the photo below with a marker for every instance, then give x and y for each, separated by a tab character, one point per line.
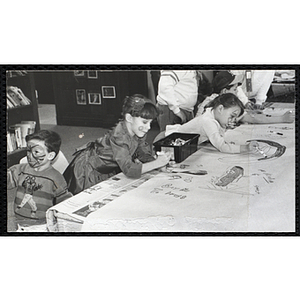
12	176
166	91
170	74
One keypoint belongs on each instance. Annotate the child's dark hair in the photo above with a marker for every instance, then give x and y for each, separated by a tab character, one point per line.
52	139
227	100
139	106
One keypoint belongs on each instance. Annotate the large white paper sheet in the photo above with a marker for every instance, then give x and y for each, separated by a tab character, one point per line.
74	210
171	203
261	199
232	193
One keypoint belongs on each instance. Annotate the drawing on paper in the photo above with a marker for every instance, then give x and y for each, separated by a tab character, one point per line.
266	150
230	181
269	148
171	190
281	127
186	169
226	182
233	174
86	210
183	186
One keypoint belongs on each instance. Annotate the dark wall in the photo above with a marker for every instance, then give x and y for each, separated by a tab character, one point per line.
44	87
106	113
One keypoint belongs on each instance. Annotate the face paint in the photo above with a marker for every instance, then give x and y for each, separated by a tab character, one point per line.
140	126
37	153
35	156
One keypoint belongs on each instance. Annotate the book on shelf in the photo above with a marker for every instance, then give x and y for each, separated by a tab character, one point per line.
13	140
9	103
12	100
16	73
18	136
9	143
27	127
15	97
18	132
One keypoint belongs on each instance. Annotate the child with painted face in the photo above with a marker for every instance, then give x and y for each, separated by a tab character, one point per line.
124	149
213	123
39	185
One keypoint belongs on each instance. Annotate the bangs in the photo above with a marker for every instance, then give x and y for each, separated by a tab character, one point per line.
149	111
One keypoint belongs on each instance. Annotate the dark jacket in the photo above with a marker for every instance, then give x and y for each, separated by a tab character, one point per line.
116	152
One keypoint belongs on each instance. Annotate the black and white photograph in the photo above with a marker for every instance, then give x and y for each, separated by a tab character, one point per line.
194	194
207	146
94	98
92	74
81	97
108	92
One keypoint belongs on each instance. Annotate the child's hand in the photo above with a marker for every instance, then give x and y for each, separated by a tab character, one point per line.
182	116
137	161
249	105
232	125
253	106
253	147
250	147
163	158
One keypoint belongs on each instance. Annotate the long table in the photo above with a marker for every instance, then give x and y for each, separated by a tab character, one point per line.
233	193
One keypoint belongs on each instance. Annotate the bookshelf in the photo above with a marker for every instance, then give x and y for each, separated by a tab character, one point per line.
26	112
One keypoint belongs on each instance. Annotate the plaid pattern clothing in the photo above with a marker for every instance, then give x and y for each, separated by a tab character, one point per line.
36	190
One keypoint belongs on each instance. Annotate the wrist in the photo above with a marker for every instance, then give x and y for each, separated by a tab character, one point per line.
176	110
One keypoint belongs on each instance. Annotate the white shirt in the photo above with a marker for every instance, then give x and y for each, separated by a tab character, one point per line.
261	81
178	89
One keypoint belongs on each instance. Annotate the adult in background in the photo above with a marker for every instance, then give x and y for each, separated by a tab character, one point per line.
177	96
225	82
255	85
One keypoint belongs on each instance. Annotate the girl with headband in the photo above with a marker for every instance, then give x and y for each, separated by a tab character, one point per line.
124	149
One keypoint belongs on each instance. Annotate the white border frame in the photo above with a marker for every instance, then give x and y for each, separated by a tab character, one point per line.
113	89
94	103
77	95
91	76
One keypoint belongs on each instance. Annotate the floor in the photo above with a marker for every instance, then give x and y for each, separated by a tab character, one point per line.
47	114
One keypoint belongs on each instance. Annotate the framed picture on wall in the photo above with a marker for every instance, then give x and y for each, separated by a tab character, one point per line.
108	92
95	98
92	74
81	97
78	73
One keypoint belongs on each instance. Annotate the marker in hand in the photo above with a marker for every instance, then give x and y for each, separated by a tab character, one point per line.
260	151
